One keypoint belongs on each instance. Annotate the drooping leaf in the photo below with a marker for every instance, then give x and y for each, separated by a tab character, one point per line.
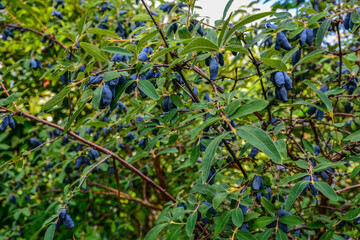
261	140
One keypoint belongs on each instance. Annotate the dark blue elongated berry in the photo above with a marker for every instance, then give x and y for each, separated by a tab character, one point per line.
165	103
303	37
283	94
214	68
93	154
257	183
211	177
317	150
282	42
348	107
324	88
296	57
271	25
78	162
183	205
57	14
268	194
309	36
347	20
33	64
132	85
106	97
62	214
220	57
143	56
319	115
11	122
68	222
4	124
253	152
12	199
207	97
279	79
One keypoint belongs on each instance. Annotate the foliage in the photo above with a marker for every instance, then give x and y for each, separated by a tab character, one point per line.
126	119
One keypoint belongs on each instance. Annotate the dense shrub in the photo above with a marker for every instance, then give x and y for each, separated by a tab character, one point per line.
126	119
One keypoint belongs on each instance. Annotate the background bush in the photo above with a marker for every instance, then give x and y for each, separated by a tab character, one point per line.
126	119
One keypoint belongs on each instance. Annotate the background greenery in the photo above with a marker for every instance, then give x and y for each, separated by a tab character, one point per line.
120	202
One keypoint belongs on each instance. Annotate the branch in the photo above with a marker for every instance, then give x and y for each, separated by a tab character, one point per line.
101	149
37	32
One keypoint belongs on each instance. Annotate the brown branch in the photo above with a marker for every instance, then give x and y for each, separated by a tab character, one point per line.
101	149
51	38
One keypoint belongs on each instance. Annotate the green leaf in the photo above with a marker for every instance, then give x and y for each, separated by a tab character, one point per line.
105	32
355	171
221	222
280	235
93	51
96	97
204	189
148	89
237	217
223	30
81	23
355	17
354	137
175	99
208	122
291	178
250	107
322	96
85	96
237	48
291	220
261	140
269	207
311	57
316	18
145	40
74	116
265	235
219	197
327	235
142	17
9	69
57	100
326	165
294	194
210	154
274	63
118	50
263	221
246	20
243	235
118	93
154	233
325	189
110	76
200	44
322	32
163	52
351	215
256	39
289	54
49	234
226	9
190	223
308	146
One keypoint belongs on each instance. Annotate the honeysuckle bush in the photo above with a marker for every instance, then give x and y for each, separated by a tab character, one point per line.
138	119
